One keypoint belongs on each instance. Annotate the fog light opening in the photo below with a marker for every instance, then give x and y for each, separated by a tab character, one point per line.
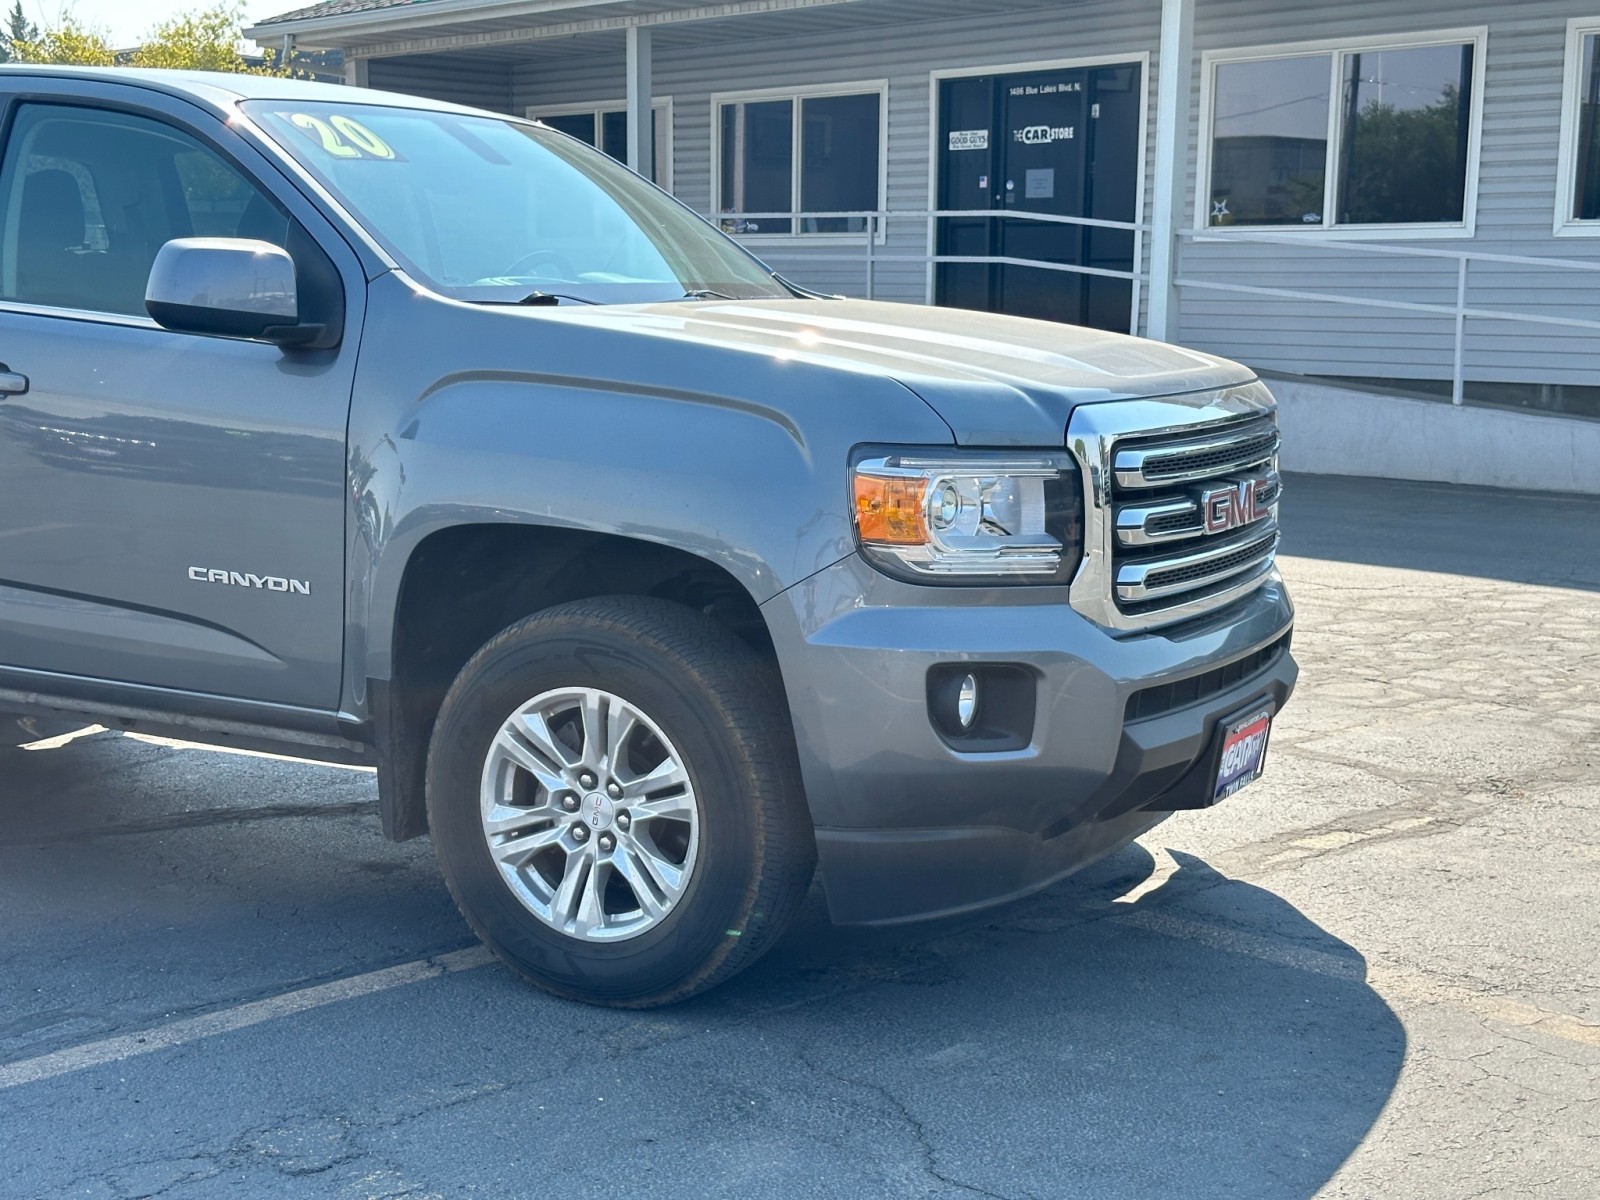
982	708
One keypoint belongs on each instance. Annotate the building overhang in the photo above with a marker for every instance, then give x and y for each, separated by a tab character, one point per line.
424	26
497	27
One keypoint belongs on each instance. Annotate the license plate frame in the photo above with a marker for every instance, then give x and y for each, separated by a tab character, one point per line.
1250	735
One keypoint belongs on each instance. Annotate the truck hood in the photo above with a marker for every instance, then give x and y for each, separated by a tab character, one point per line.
994	380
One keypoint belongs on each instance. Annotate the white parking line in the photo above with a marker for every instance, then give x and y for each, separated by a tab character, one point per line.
193	1029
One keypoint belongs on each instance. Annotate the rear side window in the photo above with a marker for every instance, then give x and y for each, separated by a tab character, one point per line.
89	197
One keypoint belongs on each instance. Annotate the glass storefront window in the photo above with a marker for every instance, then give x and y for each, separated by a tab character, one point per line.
1586	192
839	161
758	165
1407	114
1350	138
800	154
1269	149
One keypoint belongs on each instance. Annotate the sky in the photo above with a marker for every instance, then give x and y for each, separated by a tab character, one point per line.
126	21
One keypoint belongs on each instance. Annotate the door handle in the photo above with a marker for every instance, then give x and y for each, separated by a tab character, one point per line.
12	384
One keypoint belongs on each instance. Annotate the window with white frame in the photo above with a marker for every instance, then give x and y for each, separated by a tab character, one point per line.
816	152
606	128
1356	135
1578	196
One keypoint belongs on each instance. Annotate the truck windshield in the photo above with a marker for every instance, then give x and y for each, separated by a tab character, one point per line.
495	210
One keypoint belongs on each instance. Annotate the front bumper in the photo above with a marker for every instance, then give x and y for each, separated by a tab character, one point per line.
909	827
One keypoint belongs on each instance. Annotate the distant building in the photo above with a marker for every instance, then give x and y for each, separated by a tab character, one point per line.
1386	207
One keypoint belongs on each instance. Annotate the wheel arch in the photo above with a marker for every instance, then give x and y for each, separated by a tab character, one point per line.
464	583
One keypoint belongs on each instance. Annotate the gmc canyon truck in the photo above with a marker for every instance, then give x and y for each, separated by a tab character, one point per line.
363	428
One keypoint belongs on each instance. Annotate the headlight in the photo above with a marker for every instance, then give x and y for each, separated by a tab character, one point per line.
970	517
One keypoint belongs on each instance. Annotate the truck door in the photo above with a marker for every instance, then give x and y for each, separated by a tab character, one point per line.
172	506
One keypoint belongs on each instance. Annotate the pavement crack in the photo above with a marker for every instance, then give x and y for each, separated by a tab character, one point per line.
919	1133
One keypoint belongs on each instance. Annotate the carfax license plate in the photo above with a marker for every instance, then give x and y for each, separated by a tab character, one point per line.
1244	753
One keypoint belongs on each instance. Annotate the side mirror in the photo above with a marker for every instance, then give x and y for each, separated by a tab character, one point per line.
229	287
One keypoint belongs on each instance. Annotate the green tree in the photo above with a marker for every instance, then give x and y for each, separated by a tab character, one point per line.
1405	165
17	29
67	43
200	40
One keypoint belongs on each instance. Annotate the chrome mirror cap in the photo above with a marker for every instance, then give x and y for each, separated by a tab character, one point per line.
230	287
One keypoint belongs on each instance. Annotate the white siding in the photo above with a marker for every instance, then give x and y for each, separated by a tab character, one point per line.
1516	209
445	77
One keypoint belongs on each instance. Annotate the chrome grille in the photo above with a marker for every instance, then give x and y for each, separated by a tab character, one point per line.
1197	458
1183	514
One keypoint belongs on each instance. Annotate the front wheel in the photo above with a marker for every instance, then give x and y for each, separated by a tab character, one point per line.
614	800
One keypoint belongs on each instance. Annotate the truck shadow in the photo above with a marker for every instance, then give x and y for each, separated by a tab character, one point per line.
1206	1039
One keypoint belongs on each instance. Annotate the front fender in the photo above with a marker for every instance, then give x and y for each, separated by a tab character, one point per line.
468	415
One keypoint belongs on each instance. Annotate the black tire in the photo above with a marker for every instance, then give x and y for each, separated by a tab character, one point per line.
719	703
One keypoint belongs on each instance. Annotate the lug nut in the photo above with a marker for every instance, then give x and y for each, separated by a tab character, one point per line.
587	780
570	803
623	820
614	790
580	833
607	842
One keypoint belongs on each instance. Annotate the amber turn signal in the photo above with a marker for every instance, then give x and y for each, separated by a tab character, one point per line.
892	512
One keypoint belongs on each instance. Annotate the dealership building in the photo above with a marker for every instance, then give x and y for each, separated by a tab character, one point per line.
1391	208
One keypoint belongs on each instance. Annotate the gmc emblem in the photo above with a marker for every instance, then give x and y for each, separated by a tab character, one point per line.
1235	505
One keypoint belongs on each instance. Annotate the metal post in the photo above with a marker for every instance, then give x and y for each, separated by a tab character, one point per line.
872	238
641	138
1458	383
1174	71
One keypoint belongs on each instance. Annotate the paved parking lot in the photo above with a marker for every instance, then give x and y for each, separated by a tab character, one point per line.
1375	973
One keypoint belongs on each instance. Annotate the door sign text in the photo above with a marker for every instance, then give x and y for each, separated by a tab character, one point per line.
1044	135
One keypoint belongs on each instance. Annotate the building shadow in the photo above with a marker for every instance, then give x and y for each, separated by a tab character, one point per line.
1551	539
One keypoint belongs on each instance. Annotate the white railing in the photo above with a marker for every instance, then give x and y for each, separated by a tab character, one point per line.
872	237
1460	312
870	247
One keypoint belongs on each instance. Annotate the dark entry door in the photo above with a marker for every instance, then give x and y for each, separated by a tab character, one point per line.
1058	142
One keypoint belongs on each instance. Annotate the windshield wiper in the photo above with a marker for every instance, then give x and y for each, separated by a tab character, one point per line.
539	298
707	294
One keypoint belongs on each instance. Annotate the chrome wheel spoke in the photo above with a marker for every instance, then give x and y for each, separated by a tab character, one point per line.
536	730
568	900
666	774
630	865
619	728
667	876
676	808
596	709
504	818
513	748
516	851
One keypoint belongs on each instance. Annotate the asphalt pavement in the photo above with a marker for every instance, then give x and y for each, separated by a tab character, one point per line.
1376	972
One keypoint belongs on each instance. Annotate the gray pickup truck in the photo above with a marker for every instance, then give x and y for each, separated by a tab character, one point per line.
375	430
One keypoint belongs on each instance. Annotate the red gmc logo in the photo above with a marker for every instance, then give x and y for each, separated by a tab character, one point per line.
1235	505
